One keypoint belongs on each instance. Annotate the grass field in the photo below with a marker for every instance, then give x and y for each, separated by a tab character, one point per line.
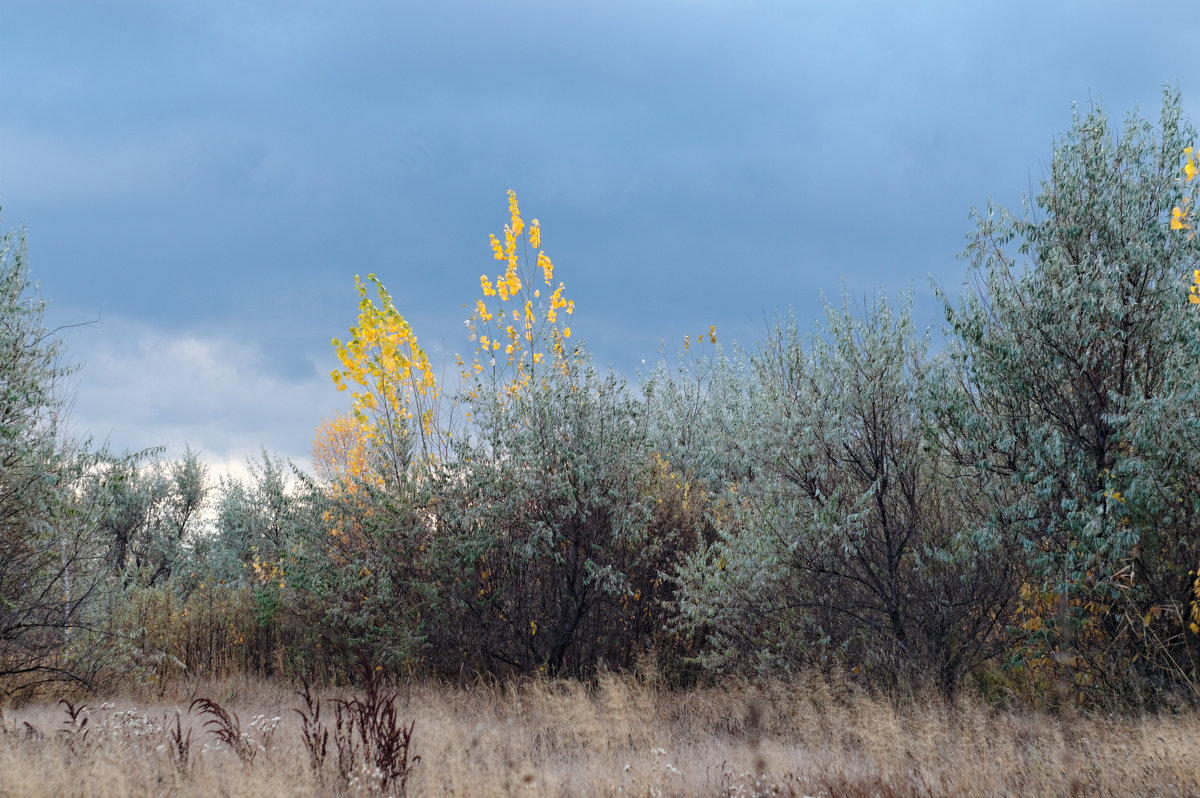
619	736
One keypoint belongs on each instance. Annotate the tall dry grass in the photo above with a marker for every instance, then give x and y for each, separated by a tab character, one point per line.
620	736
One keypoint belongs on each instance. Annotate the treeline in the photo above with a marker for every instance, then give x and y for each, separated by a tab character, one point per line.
1018	513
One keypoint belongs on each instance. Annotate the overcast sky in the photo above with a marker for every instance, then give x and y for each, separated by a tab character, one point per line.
206	178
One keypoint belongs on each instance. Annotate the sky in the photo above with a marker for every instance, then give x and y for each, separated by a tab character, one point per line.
202	181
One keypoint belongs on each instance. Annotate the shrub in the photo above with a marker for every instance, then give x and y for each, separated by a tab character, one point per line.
1077	397
541	541
853	544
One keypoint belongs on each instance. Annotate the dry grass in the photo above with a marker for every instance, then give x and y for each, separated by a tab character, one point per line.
618	737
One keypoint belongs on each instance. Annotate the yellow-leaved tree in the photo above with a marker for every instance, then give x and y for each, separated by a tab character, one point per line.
399	493
394	391
341	457
522	323
519	327
379	460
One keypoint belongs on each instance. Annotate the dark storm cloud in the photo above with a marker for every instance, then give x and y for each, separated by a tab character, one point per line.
220	171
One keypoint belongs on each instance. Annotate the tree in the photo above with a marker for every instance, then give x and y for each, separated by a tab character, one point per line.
394	391
151	515
522	325
373	464
1064	340
341	455
542	538
851	545
51	558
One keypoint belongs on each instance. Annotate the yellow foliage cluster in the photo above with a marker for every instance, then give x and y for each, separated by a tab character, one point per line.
711	335
388	372
341	457
667	476
522	322
268	572
1180	214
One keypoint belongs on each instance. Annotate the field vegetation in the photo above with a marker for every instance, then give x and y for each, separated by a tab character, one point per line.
835	562
612	736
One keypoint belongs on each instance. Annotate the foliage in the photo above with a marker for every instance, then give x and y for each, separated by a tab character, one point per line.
394	392
371	550
542	537
1067	368
247	585
851	544
152	513
1023	508
380	586
51	566
518	330
342	460
697	412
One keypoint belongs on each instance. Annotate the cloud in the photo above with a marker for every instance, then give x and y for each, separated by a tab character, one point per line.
189	165
141	386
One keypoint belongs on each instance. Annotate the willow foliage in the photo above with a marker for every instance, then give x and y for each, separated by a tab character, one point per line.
1068	338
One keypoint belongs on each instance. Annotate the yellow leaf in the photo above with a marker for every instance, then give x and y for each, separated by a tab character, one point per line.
1177	217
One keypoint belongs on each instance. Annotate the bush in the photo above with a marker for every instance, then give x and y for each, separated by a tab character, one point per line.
51	564
542	542
852	546
1077	405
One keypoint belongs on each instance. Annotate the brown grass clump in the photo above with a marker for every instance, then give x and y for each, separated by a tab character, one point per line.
617	736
